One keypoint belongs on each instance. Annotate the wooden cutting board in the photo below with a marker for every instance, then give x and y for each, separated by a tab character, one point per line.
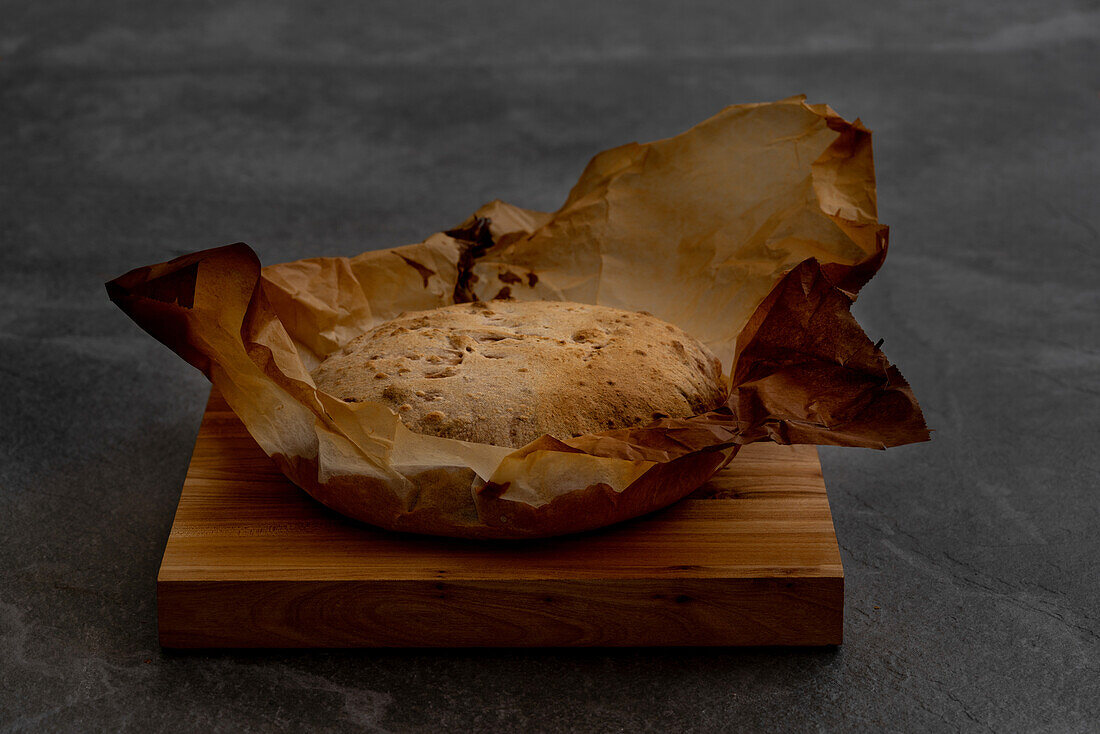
252	561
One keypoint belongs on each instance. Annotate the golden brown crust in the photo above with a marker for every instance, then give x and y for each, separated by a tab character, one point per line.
507	372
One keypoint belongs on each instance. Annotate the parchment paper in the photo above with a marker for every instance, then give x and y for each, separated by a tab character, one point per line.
752	231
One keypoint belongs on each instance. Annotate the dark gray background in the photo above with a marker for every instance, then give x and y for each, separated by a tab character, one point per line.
134	132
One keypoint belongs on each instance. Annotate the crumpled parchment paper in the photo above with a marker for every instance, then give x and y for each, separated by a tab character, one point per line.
753	231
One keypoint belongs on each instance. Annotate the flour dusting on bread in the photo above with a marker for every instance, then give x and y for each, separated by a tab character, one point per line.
507	372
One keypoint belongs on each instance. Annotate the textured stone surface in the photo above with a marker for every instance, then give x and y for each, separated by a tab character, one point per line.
130	133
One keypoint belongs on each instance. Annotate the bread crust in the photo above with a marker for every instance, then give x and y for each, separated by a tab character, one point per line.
507	372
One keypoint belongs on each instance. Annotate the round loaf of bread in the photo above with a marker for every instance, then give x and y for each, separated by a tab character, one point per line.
507	372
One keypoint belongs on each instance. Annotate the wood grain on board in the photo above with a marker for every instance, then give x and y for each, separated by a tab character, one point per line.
751	558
